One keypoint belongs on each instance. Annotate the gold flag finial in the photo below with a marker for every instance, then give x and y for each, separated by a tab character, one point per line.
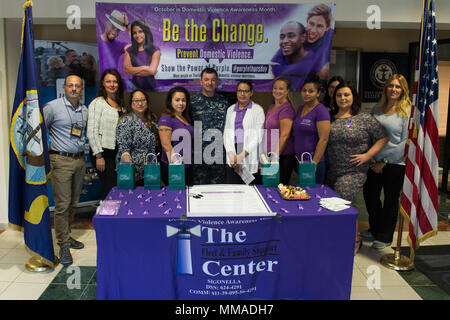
29	3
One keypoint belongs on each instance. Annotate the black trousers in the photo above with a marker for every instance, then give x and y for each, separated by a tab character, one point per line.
108	177
287	165
383	217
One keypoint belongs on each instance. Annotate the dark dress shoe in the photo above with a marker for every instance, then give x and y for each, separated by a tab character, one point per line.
74	244
65	257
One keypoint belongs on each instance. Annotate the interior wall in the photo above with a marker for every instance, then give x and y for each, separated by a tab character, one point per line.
363	39
4	132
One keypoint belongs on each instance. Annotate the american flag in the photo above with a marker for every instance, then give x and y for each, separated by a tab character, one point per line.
419	200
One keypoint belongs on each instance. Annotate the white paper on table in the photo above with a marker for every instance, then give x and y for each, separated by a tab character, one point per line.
245	175
226	200
335	203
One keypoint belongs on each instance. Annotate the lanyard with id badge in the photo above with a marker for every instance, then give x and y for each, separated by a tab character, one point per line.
76	129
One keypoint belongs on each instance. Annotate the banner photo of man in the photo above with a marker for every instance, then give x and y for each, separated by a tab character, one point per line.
156	47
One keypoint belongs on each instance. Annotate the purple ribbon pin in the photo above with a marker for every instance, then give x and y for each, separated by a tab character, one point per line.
148	199
176	199
168	211
162	194
120	195
130	191
178	206
274	201
130	213
140	196
317	196
300	207
125	203
146	212
320	209
284	210
162	204
349	123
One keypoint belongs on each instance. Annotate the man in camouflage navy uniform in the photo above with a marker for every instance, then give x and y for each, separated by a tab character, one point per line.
208	111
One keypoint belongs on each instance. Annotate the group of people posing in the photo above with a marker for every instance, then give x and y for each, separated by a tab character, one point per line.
352	150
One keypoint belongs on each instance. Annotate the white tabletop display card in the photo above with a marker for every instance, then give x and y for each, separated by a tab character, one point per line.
226	200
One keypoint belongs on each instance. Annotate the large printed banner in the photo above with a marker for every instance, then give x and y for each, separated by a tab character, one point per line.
156	47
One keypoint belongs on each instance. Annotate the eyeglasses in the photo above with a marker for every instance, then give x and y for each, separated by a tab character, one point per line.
243	91
139	101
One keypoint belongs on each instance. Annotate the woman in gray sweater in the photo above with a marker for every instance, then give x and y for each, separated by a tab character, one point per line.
387	169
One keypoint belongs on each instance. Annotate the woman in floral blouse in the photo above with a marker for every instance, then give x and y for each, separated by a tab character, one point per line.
354	139
137	133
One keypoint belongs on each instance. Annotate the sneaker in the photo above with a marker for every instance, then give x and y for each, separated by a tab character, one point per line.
74	244
380	245
65	257
366	235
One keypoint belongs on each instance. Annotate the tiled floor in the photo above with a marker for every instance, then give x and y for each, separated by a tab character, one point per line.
18	283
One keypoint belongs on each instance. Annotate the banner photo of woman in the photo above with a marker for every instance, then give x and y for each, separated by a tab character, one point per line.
155	47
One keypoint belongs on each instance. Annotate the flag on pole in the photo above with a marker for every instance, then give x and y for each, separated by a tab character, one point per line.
419	199
28	156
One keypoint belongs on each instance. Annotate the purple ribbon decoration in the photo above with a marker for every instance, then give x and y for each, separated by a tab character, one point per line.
130	191
120	195
130	213
284	210
176	199
168	211
350	123
149	199
300	207
162	194
140	196
320	209
178	206
317	196
146	212
275	201
125	203
162	204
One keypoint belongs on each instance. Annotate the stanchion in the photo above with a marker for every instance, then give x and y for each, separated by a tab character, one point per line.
396	261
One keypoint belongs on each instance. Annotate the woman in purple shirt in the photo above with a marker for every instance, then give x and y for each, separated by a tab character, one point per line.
142	57
176	133
311	127
278	125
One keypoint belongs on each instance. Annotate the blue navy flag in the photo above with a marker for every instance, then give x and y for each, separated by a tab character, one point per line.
28	156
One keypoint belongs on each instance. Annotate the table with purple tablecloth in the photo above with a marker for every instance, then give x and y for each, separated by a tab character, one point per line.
152	250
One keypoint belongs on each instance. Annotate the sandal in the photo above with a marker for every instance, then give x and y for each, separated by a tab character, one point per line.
358	245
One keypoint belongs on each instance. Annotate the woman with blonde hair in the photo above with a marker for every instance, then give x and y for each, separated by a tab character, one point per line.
387	169
278	124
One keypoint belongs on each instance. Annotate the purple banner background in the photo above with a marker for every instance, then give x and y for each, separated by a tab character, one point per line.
251	58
